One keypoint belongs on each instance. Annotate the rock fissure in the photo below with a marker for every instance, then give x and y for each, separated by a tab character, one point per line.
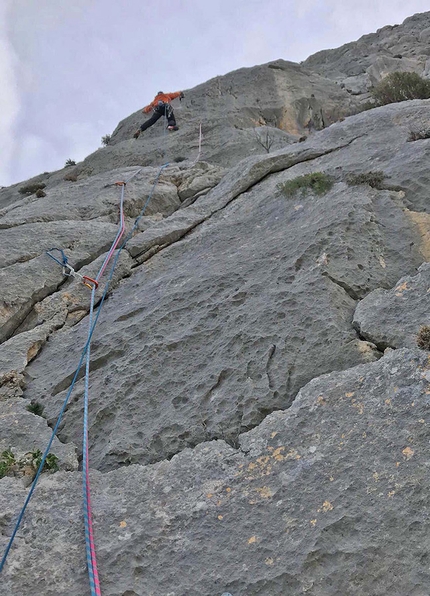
342	284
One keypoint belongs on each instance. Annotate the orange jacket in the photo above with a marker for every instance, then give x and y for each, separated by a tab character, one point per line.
164	97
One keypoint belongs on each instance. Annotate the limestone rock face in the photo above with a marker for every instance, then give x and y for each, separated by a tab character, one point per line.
324	498
283	98
358	65
250	432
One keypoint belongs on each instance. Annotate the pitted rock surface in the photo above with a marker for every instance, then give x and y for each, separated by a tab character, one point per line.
325	498
225	326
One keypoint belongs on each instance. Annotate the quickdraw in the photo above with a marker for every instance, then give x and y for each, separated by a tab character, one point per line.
68	270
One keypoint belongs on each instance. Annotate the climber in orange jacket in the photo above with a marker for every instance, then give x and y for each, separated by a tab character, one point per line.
161	107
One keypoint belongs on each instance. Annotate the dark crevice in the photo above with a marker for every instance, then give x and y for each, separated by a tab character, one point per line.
351	293
380	345
268	363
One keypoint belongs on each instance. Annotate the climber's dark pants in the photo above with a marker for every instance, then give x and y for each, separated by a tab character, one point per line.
159	111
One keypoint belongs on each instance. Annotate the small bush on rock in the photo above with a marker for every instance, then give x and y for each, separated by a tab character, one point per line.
317	182
7	461
106	139
31	189
35	408
51	461
40	193
423	338
373	179
69	162
401	86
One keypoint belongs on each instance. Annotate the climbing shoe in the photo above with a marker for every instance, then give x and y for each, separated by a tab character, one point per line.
172	128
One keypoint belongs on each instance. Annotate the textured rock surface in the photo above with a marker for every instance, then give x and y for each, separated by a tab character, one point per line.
358	65
25	432
325	498
393	317
252	304
229	303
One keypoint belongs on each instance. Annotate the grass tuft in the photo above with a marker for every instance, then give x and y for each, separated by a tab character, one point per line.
318	183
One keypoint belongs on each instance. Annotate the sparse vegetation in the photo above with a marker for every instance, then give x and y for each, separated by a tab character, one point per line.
7	461
69	162
265	139
35	408
9	465
400	86
423	338
373	179
31	189
417	135
106	139
51	461
179	159
317	183
40	193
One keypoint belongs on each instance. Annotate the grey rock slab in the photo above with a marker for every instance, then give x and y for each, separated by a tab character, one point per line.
393	317
25	283
221	328
18	351
202	176
239	179
65	307
73	299
327	497
23	432
28	241
96	197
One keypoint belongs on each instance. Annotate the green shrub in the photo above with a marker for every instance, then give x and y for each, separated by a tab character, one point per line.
69	162
51	461
423	338
35	408
400	86
417	135
7	460
317	182
30	189
106	139
373	179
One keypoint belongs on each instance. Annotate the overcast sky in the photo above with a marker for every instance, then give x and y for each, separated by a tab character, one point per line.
71	70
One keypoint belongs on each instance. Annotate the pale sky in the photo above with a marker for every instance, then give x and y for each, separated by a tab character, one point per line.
71	70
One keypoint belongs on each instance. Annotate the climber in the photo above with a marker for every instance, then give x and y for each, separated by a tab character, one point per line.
161	106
